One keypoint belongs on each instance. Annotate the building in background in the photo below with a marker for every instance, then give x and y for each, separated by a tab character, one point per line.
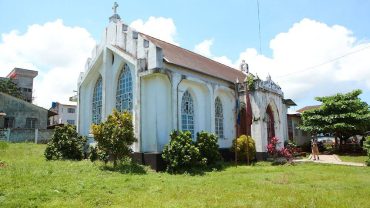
23	78
65	114
294	121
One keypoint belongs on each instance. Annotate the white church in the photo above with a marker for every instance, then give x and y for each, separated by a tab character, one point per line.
167	87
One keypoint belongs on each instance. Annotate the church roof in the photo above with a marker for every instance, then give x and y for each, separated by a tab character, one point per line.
190	60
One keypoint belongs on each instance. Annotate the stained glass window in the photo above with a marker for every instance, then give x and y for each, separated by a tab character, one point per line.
219	118
97	102
124	90
187	113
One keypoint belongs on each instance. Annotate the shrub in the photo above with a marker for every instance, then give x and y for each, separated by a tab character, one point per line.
208	147
367	147
65	144
181	153
115	136
93	153
245	146
285	152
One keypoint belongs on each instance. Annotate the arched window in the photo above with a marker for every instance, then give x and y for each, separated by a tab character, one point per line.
187	113
219	118
97	102
124	90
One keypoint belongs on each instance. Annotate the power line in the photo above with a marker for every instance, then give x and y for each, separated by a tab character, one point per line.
259	24
326	62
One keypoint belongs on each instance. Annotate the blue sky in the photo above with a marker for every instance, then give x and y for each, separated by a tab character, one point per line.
231	28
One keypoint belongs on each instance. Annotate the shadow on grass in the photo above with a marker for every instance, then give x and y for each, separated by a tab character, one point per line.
200	171
126	168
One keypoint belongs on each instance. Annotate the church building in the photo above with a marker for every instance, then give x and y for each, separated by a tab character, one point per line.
167	87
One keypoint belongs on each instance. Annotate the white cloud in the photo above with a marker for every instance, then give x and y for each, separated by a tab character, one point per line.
56	51
310	43
158	27
204	48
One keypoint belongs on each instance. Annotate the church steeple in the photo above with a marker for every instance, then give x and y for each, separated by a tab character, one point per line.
115	17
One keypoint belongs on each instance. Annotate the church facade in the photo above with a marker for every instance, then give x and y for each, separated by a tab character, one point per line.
167	87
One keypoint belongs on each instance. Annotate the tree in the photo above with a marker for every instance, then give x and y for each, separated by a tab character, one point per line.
115	136
342	115
7	86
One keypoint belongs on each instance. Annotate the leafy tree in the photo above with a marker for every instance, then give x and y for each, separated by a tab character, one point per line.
342	115
65	144
7	86
115	136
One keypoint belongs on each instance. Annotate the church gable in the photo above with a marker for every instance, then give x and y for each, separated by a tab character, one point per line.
150	53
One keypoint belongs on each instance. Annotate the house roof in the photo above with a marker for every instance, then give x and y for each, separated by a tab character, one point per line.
182	57
310	107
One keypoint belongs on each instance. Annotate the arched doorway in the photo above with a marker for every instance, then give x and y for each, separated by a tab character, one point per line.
270	124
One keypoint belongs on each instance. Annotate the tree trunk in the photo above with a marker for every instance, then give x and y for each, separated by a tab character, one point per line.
114	161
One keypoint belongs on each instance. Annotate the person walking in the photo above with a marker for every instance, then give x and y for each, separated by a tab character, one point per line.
315	149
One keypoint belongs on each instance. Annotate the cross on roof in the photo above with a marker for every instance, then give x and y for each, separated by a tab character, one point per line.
115	5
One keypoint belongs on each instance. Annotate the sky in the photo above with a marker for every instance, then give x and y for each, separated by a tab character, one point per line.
309	47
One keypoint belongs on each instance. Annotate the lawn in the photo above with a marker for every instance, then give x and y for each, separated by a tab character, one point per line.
353	158
27	180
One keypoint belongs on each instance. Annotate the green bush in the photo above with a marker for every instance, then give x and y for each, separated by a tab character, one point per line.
65	144
208	147
181	154
93	154
245	146
96	154
367	147
115	136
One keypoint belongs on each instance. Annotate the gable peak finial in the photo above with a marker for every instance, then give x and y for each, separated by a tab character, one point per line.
115	17
114	8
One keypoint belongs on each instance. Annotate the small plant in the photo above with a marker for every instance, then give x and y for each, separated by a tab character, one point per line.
245	145
65	144
285	152
250	82
271	147
208	147
114	137
181	154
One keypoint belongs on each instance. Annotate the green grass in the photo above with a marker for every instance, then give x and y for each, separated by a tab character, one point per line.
27	180
353	158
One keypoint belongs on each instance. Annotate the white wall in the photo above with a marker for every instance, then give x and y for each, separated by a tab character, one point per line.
156	112
260	100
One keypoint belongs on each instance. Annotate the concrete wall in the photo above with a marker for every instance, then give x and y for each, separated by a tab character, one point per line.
21	110
26	135
299	137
